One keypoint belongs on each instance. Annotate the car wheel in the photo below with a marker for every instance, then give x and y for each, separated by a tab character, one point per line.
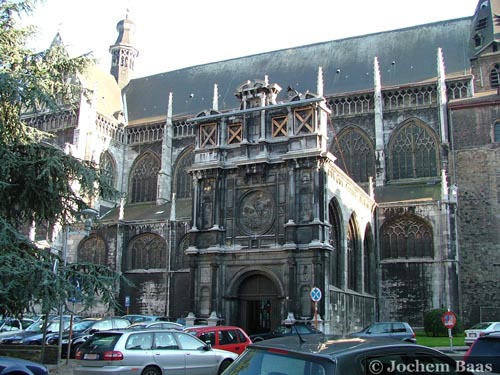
151	371
224	365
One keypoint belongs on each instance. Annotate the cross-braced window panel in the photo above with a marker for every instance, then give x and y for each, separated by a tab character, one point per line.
355	155
407	237
107	168
304	121
147	251
234	133
208	135
144	179
279	125
413	152
92	250
183	180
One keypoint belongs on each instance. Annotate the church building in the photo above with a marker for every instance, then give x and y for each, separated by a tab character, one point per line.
345	182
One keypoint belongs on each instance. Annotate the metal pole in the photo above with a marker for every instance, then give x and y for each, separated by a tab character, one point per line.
65	260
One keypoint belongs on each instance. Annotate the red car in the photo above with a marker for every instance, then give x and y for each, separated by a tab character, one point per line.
231	338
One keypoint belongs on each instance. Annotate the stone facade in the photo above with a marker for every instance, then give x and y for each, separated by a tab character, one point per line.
385	197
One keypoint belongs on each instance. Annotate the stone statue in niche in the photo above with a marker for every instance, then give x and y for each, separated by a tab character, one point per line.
256	212
306	205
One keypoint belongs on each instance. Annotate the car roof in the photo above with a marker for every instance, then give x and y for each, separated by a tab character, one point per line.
333	346
209	328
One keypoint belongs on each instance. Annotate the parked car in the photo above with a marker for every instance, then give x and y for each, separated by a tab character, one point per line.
479	330
35	329
19	366
321	355
13	325
52	329
82	330
287	330
156	325
231	338
134	318
393	330
485	351
149	352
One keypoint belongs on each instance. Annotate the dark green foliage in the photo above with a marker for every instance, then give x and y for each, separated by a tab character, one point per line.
37	180
433	324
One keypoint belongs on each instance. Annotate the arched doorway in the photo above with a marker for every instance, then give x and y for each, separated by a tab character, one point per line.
259	305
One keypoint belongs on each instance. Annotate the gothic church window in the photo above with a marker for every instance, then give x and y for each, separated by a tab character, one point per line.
353	265
146	251
355	154
335	235
92	250
107	168
495	76
407	237
413	152
496	132
144	179
183	181
369	260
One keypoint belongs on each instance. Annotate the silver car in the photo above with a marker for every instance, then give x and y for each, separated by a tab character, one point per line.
149	352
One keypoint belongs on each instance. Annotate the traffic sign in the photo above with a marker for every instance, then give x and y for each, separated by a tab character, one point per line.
315	294
449	319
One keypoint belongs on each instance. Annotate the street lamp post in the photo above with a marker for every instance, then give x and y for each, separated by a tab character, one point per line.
89	215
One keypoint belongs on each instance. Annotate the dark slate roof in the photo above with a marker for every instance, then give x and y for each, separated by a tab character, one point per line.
405	56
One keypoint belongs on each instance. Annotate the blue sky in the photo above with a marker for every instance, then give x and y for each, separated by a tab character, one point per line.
173	34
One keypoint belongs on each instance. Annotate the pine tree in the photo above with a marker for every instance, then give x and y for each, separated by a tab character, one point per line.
37	178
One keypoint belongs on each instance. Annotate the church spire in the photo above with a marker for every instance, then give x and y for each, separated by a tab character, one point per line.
123	54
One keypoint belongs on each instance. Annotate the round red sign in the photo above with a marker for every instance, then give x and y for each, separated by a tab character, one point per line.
449	319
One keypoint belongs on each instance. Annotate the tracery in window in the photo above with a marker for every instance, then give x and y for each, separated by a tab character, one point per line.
495	76
92	250
144	179
355	154
413	151
335	235
183	181
147	251
107	167
407	237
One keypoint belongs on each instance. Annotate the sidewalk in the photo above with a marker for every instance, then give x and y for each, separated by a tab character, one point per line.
62	368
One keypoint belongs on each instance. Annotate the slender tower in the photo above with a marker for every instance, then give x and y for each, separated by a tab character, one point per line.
123	54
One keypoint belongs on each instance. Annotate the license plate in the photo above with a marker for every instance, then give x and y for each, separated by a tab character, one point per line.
90	356
472	334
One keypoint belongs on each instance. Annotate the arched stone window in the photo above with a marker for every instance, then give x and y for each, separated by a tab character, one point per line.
107	167
147	251
369	260
336	269
406	237
353	261
144	179
183	181
179	259
413	151
495	76
496	132
92	250
355	154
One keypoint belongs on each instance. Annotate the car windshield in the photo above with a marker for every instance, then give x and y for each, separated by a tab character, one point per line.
277	362
82	326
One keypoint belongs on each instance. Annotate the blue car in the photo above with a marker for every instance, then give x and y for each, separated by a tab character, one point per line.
21	367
